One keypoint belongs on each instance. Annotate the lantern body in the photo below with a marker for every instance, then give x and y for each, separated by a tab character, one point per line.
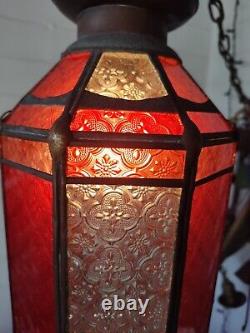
116	172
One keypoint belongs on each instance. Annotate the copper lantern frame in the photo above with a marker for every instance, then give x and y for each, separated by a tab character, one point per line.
123	36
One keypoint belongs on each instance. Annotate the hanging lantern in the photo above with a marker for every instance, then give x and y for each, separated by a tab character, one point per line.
116	172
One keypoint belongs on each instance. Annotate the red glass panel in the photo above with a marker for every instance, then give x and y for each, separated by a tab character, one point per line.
204	241
63	77
121	241
214	159
125	121
37	116
28	212
125	162
210	122
182	82
32	154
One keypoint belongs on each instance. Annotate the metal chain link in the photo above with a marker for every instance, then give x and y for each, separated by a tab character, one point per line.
217	14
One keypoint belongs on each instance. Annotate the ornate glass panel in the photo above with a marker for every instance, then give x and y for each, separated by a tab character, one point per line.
127	122
125	162
121	241
130	76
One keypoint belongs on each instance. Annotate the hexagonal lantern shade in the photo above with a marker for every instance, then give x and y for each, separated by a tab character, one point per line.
116	172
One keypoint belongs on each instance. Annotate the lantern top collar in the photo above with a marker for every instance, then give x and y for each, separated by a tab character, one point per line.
173	13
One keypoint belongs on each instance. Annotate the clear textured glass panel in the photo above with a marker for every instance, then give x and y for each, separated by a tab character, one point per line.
121	241
130	76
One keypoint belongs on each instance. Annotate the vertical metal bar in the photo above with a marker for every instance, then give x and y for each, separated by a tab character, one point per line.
58	139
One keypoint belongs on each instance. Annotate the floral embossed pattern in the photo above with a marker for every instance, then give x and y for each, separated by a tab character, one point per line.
127	122
121	241
126	75
125	162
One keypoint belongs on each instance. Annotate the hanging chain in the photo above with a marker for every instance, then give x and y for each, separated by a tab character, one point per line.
217	14
233	32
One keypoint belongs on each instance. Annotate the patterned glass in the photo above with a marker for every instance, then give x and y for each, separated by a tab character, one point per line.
125	162
127	122
121	241
124	75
